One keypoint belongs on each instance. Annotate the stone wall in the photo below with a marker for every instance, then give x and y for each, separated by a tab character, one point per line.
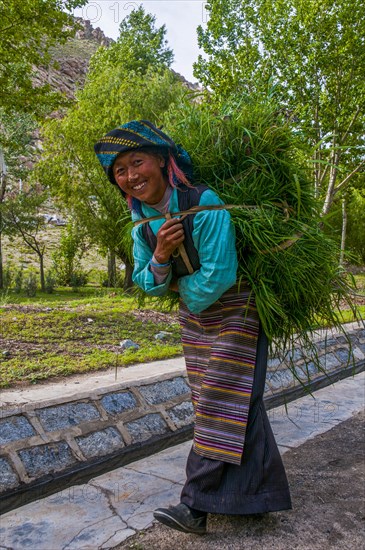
77	437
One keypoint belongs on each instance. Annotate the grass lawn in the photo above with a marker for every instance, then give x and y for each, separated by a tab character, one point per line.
74	332
53	335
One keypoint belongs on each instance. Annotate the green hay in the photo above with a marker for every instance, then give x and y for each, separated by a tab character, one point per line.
250	156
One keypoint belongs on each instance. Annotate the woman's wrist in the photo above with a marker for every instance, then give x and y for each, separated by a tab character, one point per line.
156	262
160	260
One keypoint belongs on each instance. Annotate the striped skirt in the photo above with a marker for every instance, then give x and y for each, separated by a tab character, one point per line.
220	353
234	466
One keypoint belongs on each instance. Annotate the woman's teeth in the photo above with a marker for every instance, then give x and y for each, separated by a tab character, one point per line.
139	186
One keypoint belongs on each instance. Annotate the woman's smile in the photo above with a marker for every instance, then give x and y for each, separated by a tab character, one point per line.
139	186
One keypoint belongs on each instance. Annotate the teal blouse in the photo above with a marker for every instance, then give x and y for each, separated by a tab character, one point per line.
214	239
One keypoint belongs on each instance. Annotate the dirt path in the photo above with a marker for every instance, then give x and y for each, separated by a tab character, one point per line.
327	480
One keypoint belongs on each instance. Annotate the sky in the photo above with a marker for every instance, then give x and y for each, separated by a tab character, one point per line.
180	17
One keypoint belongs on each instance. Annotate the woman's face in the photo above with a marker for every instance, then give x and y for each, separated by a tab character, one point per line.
140	175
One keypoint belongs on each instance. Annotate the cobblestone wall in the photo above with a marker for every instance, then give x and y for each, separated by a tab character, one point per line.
39	443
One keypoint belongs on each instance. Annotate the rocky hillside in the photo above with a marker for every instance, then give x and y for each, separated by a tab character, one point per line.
68	71
72	59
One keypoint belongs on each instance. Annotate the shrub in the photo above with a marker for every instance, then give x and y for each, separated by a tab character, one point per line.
106	283
50	282
30	284
8	275
78	279
18	280
66	260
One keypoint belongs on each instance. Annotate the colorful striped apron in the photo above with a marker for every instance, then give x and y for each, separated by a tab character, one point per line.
220	353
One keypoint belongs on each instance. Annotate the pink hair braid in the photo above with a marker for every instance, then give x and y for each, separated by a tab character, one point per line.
175	174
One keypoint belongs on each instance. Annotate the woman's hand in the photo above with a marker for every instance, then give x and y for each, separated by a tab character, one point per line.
169	236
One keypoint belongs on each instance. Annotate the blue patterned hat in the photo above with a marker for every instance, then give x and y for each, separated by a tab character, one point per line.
138	134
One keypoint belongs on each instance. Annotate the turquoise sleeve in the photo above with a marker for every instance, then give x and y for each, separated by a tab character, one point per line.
142	275
214	239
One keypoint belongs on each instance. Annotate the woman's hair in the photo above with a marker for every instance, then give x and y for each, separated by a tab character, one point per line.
175	174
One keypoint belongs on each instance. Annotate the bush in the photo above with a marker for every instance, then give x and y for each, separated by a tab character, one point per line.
50	282
119	282
78	279
30	284
8	275
18	281
67	258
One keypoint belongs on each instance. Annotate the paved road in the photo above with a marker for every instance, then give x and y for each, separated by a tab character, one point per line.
322	443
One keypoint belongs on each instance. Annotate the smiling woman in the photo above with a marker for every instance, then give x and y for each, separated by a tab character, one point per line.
234	466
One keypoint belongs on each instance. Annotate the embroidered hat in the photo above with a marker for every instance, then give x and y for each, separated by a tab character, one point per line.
139	134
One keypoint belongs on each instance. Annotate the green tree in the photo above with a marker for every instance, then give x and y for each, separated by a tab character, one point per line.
17	150
121	86
67	257
352	204
23	217
28	29
312	55
140	45
69	166
356	222
233	61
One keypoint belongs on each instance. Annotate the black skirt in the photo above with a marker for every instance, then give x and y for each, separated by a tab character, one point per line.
259	483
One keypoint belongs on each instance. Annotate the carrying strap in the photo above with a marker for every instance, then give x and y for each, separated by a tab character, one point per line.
180	250
194	209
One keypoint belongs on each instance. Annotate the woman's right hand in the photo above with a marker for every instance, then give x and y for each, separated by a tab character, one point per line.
169	236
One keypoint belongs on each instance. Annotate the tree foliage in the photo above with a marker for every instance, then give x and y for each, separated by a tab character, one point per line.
121	86
23	217
16	146
311	55
140	45
67	258
354	203
28	29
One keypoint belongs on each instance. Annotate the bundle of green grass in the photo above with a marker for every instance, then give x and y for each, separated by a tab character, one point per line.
251	157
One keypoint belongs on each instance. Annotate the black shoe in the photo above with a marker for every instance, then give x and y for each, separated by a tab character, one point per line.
180	517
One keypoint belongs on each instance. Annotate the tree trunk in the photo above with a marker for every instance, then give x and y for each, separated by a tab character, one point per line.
41	266
128	283
1	262
2	196
343	234
112	271
331	184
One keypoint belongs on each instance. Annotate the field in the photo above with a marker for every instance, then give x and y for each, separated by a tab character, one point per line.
67	332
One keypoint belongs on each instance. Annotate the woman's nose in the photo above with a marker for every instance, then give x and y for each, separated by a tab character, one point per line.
132	176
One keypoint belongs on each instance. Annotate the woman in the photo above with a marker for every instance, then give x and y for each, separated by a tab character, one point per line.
234	466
